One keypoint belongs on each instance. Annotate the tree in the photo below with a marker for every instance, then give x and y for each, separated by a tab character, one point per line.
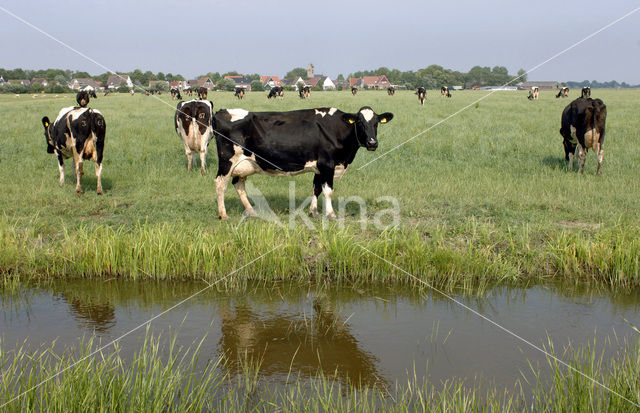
522	76
297	72
256	86
232	73
226	84
81	75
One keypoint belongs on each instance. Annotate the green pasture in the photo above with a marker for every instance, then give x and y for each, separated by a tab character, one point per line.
485	197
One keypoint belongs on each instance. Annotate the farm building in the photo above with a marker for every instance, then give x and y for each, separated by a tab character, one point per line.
241	81
81	83
202	81
114	81
270	81
542	85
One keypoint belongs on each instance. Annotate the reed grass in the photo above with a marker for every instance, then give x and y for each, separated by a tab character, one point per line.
159	379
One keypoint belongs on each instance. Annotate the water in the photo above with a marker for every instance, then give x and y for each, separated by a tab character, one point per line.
375	336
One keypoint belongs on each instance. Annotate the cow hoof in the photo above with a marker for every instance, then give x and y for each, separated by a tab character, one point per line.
250	213
315	214
78	191
223	217
332	216
99	191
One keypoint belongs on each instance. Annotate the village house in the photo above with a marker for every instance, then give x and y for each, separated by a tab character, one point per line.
82	83
270	81
202	81
39	80
241	81
114	81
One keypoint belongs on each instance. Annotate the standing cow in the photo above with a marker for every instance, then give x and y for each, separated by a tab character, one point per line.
586	92
323	141
354	90
202	93
391	91
304	92
239	92
77	133
563	92
82	98
583	128
193	124
422	94
444	92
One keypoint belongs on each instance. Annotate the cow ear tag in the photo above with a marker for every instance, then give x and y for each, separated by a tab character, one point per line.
351	121
383	120
46	124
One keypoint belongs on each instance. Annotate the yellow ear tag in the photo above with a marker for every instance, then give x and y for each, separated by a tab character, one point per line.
383	120
351	121
46	124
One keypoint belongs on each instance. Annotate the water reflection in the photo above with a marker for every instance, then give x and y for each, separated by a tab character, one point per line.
284	343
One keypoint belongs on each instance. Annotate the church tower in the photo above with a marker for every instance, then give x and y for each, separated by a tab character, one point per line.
310	71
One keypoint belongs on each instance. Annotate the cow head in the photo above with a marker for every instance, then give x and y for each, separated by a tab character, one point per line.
47	135
82	98
365	123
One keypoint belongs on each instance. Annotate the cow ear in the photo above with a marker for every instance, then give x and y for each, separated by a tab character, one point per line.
45	122
179	104
349	118
385	117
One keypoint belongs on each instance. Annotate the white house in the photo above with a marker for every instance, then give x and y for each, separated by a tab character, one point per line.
327	84
114	81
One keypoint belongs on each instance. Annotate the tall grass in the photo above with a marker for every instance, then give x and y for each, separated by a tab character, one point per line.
162	381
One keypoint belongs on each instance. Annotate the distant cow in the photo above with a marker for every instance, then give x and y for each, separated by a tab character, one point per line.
583	128
175	93
563	92
533	93
422	94
276	91
193	124
239	93
188	91
82	98
202	93
391	91
354	90
323	141
77	133
444	92
586	92
304	92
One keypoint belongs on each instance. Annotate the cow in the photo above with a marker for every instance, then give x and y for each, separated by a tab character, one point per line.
92	93
563	92
533	93
82	98
444	92
391	91
193	124
189	92
586	92
276	91
323	141
239	93
78	133
354	90
175	93
583	128
422	94
202	93
304	92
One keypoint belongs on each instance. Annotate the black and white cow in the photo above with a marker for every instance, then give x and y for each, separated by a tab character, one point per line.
276	91
586	92
391	91
202	93
82	98
78	133
323	141
563	92
583	128
239	92
444	92
533	93
175	93
354	90
304	92
193	124
422	94
188	91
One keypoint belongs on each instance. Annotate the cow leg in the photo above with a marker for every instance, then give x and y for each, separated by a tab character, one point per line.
61	168
203	161
326	184
317	190
582	156
600	153
78	169
238	182
188	152
221	187
99	178
571	156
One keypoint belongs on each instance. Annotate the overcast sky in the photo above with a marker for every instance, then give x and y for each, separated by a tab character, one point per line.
194	37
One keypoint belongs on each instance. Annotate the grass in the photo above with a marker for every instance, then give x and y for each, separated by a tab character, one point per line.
484	198
155	381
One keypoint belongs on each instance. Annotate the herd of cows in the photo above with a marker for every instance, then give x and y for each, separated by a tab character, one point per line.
323	140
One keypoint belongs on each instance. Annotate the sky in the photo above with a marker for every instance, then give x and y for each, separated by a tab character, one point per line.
194	37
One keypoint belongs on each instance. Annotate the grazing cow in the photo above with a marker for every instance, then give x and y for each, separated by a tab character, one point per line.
78	133
239	93
193	124
422	94
304	92
354	90
202	93
92	93
583	128
107	92
276	91
175	93
563	92
82	98
323	141
391	91
444	92
189	92
586	92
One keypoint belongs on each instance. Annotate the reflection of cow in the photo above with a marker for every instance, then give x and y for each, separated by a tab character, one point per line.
583	128
354	90
284	342
422	94
563	92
